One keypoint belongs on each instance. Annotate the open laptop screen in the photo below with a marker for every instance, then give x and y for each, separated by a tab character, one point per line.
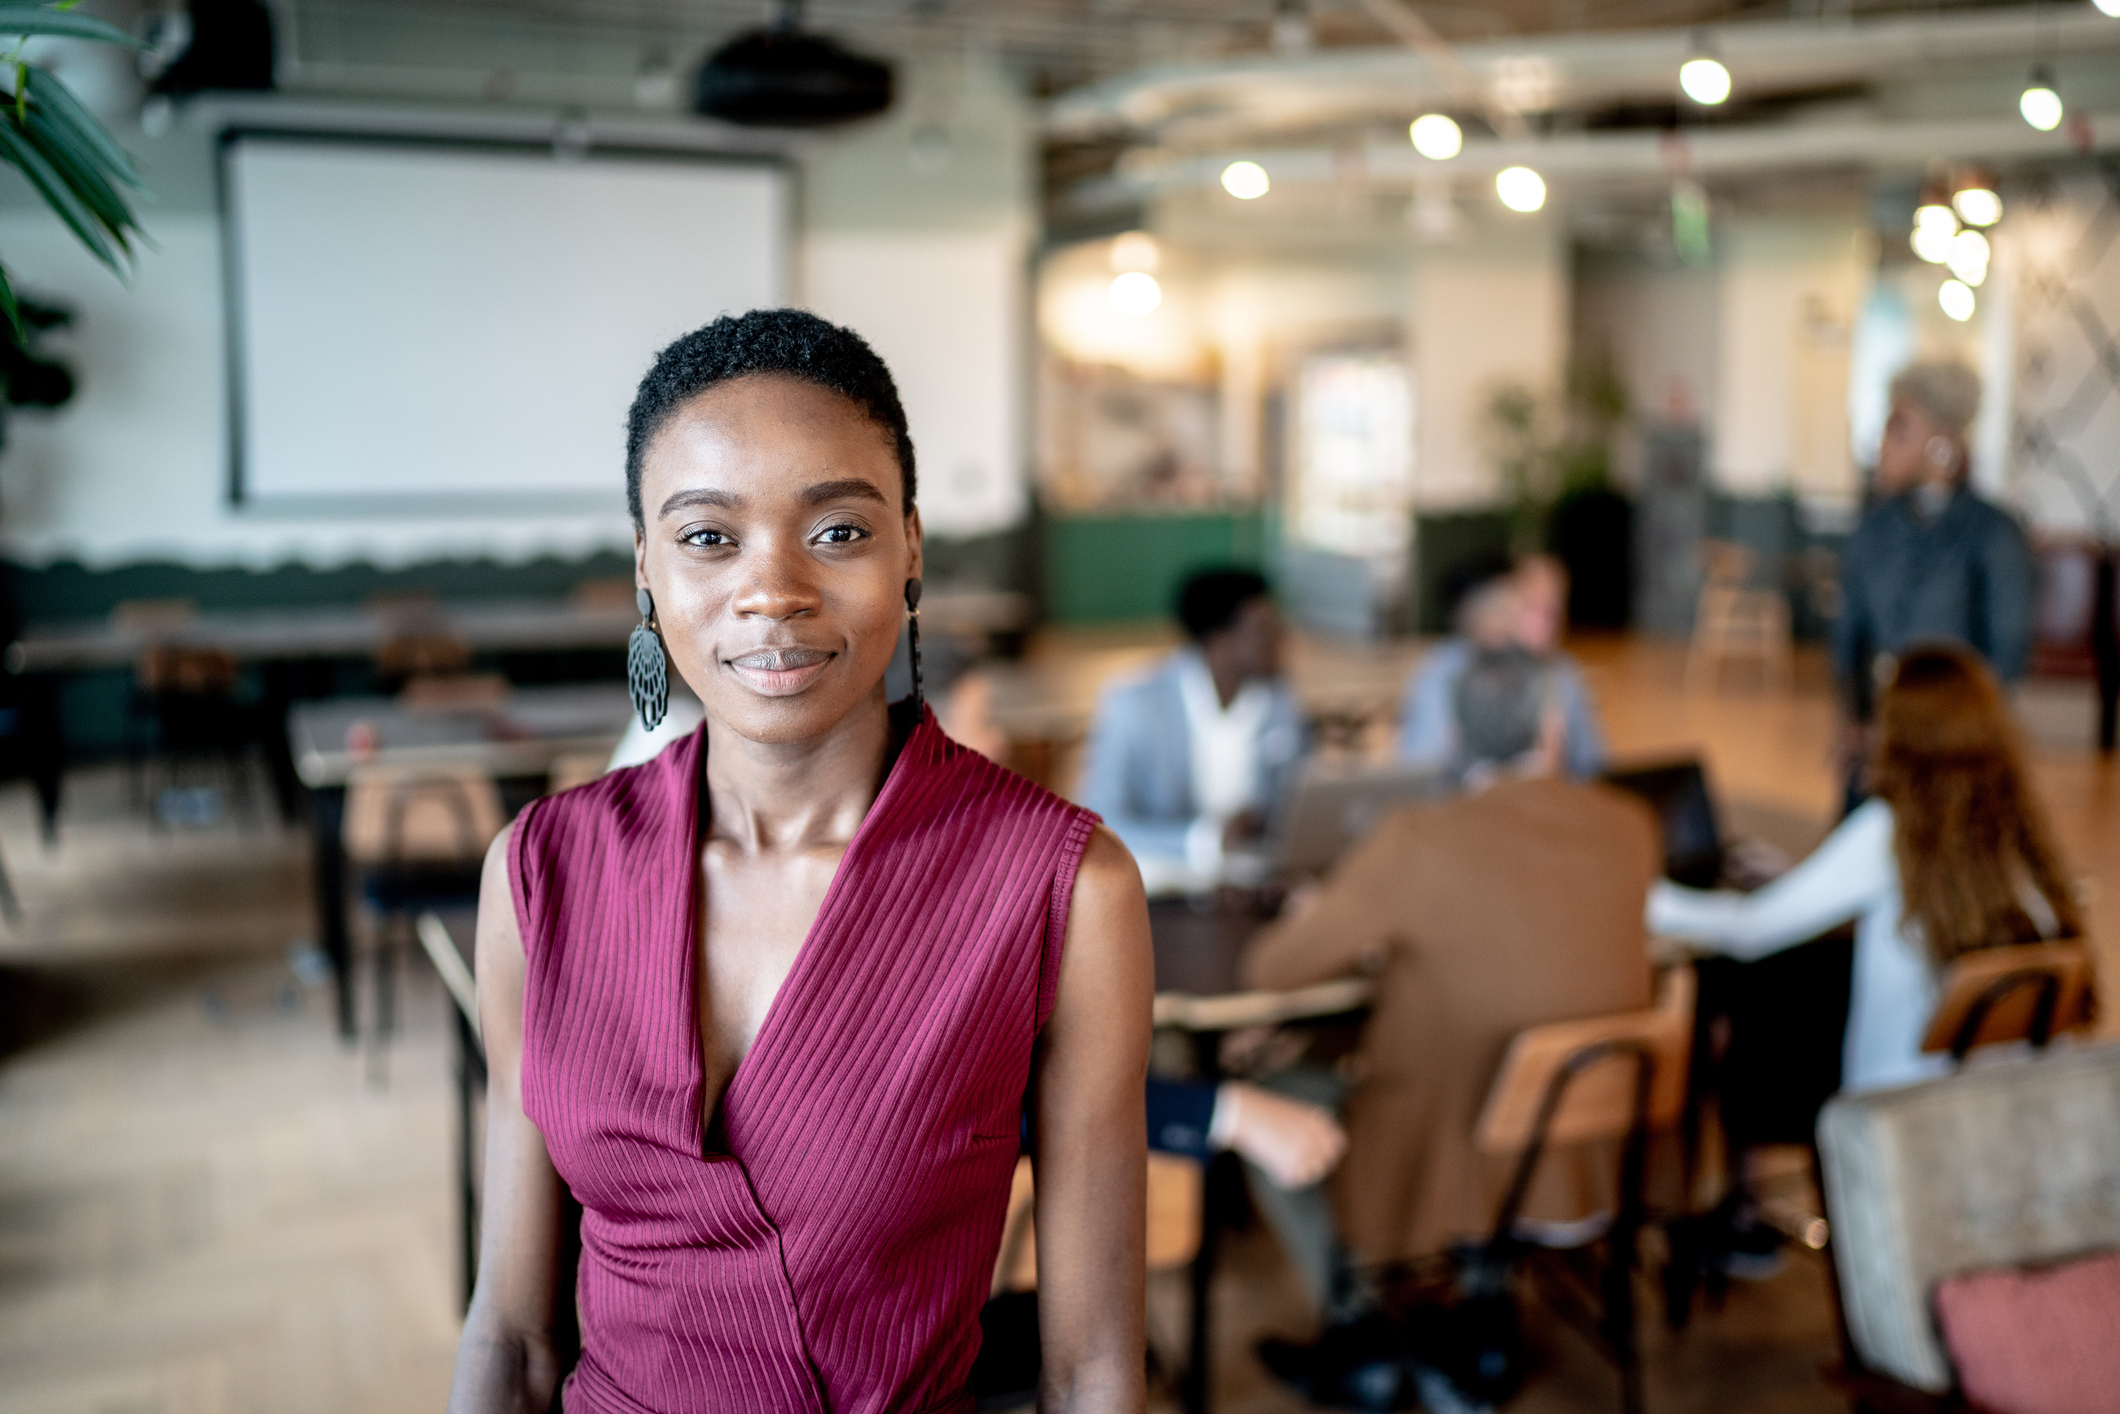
1678	792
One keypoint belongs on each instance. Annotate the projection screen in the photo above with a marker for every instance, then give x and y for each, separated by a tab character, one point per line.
416	325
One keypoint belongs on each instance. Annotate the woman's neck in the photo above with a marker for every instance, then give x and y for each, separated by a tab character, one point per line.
765	797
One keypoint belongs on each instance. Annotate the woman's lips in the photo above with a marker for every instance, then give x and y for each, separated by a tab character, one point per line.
780	672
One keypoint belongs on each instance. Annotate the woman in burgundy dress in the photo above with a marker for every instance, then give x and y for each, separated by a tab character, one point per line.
771	1004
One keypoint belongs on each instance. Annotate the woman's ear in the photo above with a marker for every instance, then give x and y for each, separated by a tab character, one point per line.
912	544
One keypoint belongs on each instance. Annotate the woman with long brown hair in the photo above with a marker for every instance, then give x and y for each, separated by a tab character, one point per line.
1950	854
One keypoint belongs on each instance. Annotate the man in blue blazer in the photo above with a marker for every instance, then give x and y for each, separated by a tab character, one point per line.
1197	754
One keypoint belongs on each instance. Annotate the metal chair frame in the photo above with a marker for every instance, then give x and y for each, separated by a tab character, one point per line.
1566	1288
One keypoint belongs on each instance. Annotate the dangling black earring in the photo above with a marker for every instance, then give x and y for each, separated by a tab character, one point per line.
647	669
912	608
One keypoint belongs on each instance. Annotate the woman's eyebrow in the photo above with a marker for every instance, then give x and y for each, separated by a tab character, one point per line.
839	490
705	496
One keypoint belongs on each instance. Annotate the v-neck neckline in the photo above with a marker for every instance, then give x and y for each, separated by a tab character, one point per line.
702	1120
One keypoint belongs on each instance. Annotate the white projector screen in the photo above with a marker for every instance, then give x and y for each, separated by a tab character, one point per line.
417	325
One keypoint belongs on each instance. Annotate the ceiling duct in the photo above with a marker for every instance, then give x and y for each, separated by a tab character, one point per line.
782	77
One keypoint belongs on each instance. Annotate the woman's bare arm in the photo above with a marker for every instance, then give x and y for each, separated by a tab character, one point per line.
1091	1145
505	1363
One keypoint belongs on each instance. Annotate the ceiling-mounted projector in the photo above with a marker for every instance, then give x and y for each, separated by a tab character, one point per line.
780	77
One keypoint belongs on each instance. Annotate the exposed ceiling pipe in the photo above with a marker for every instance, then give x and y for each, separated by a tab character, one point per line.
1464	86
1612	155
1238	99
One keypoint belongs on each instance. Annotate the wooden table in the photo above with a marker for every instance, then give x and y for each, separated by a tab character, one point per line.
521	735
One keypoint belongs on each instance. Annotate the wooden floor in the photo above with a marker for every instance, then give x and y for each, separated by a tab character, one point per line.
207	1204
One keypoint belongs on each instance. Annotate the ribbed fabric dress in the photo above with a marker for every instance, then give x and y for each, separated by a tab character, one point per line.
837	1256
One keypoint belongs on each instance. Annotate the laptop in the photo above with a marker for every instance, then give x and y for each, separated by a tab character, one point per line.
1678	792
1335	803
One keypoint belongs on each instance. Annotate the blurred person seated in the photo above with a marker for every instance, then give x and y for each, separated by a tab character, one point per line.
1498	604
1929	559
1516	904
1293	1143
1189	761
1951	853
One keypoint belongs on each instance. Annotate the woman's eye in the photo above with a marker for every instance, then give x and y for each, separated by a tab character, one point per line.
705	539
841	534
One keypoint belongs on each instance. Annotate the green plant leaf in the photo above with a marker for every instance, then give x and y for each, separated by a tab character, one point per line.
22	20
78	168
9	308
17	151
66	111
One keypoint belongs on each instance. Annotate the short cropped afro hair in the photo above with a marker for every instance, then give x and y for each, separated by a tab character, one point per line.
791	342
1210	601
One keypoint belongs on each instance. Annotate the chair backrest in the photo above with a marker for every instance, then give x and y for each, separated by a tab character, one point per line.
1997	995
456	692
152	617
614	595
1174	1194
1599	1102
185	671
420	814
1726	564
576	768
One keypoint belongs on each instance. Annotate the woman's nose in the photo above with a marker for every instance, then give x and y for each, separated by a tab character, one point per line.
779	587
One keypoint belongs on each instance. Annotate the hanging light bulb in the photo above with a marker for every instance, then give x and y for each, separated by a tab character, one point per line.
2039	103
1934	225
1957	300
1703	76
2109	8
1439	138
1246	181
1978	205
1520	188
1135	293
1969	257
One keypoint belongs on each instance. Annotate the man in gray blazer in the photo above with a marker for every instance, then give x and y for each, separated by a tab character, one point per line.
1197	754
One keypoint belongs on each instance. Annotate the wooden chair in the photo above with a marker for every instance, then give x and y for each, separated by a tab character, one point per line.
457	692
1996	996
603	596
1578	1082
416	838
573	769
1006	1375
1735	621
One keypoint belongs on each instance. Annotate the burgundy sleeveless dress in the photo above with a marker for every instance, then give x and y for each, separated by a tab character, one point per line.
837	1256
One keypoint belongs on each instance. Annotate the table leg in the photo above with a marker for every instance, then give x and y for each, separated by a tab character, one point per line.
327	808
470	1078
1199	1367
2105	636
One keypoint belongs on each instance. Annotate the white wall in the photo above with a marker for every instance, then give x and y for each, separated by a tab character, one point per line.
2063	263
1789	289
945	310
1490	310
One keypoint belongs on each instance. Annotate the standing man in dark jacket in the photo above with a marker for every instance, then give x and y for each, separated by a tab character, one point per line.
1930	559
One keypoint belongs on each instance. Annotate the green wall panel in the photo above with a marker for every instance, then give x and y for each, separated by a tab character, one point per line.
1123	569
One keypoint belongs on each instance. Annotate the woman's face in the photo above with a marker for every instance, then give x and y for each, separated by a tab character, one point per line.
1916	448
777	548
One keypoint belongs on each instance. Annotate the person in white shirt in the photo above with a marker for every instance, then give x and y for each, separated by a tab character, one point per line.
1951	853
1197	754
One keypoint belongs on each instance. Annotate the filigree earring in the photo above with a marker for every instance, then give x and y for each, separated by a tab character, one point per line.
912	609
647	667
